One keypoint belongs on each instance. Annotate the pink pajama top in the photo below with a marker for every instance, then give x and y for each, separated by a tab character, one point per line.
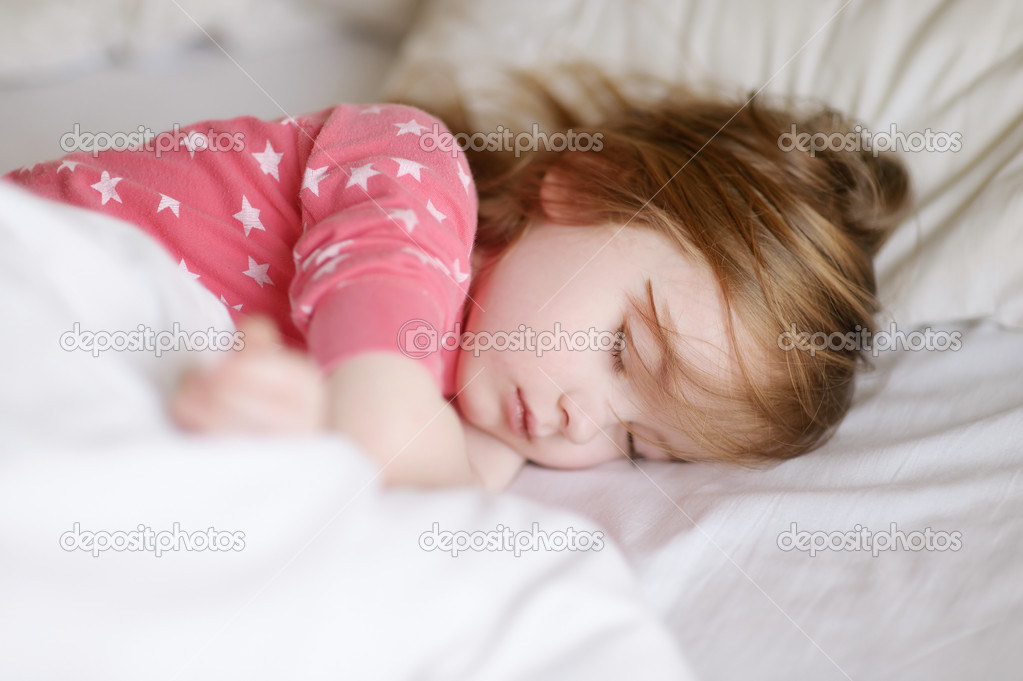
347	227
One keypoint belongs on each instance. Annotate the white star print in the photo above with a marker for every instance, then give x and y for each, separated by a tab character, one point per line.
269	160
258	272
184	268
330	266
236	307
196	140
407	167
440	217
464	178
407	216
321	254
249	217
312	178
375	109
289	120
412	126
360	175
105	187
458	275
168	202
70	165
427	259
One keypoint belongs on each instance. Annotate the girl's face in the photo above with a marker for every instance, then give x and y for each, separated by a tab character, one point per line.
568	287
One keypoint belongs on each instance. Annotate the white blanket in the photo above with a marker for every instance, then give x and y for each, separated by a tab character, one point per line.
317	572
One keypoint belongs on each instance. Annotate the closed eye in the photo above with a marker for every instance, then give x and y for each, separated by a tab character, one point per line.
621	340
633	454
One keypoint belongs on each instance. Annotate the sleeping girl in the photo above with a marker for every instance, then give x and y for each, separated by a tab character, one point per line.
667	263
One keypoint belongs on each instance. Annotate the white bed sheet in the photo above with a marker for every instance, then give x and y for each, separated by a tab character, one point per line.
933	441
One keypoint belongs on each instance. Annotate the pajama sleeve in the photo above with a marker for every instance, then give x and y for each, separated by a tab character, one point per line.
389	219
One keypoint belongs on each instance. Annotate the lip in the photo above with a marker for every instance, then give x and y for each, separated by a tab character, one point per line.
520	420
530	421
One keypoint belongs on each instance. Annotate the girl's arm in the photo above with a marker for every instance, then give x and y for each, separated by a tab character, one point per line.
388	404
389	225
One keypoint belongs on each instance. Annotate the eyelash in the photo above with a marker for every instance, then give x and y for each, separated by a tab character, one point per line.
616	352
633	454
619	368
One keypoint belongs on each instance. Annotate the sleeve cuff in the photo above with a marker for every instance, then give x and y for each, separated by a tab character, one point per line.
377	316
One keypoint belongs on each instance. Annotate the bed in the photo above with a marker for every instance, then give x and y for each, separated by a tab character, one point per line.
893	552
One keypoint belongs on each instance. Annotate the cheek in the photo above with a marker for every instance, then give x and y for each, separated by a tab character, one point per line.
482	379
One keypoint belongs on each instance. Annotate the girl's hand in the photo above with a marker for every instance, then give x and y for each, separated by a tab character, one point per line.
264	387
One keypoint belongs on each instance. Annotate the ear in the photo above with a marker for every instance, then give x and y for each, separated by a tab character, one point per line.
556	195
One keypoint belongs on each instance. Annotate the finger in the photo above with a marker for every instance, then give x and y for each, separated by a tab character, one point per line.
259	334
189	407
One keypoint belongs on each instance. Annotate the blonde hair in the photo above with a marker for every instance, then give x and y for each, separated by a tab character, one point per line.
790	237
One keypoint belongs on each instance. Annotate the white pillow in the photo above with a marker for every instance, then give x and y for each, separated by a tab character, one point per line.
950	67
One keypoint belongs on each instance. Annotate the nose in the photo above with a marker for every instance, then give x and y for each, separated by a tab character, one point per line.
579	423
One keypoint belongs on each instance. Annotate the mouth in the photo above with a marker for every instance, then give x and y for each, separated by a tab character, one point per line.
519	417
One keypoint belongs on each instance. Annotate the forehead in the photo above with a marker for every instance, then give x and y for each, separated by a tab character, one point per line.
687	296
